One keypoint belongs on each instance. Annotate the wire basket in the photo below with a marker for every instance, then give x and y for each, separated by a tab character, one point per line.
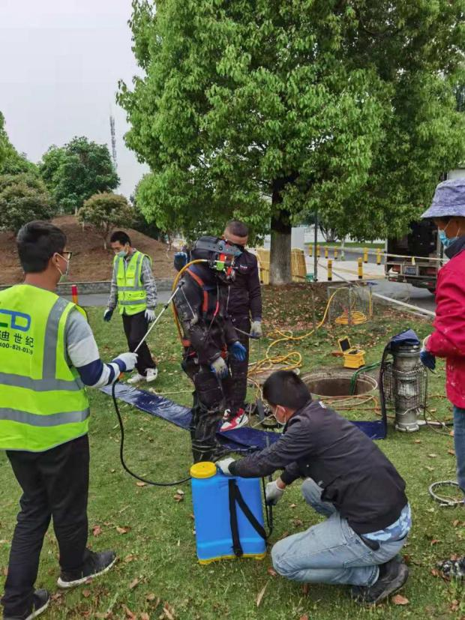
350	305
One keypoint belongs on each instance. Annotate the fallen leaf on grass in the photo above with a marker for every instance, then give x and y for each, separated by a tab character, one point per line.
398	599
261	594
97	530
429	468
297	522
168	611
435	572
134	583
432	456
180	492
151	597
123	530
86	593
144	616
305	589
178	498
417	441
129	613
304	617
293	506
130	558
141	484
451	452
456	523
435	541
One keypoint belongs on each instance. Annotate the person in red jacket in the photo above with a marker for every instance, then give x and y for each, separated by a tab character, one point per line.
448	338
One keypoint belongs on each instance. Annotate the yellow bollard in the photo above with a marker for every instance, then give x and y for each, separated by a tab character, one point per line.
378	256
310	250
318	251
330	270
326	251
365	255
336	253
360	269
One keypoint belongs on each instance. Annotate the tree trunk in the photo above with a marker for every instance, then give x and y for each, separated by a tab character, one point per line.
280	251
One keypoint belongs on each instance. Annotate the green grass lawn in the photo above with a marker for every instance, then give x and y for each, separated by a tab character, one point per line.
158	576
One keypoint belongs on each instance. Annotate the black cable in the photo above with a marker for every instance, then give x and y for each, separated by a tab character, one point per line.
268	511
121	450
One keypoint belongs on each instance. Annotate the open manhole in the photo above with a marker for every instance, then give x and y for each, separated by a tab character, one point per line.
334	384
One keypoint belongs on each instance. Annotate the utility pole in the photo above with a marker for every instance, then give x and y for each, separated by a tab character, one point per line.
113	141
315	244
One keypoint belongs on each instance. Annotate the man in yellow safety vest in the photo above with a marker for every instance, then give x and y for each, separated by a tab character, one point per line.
47	355
134	290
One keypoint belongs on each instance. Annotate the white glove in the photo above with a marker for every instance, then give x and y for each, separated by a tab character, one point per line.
150	315
129	360
256	329
220	368
273	493
224	464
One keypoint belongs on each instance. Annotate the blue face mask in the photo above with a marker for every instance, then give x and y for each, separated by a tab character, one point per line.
122	254
444	239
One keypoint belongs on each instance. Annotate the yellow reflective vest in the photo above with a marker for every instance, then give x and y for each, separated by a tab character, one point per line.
132	296
43	402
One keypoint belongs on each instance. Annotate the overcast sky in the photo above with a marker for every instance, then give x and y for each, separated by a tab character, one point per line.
60	62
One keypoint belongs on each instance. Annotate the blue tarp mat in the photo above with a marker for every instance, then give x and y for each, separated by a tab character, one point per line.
244	439
241	440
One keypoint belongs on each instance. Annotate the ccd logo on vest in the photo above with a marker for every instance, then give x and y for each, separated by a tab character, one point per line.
16	320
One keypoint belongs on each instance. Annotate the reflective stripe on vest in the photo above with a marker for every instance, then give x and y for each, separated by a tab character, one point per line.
132	296
43	402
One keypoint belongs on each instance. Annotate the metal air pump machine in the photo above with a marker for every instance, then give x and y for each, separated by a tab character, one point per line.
228	515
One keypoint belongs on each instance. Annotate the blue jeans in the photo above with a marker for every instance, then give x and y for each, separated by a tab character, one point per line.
330	552
459	444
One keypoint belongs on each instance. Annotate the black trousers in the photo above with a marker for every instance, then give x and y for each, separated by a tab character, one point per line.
55	484
238	393
135	328
210	396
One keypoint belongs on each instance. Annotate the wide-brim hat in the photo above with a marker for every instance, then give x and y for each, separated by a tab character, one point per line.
448	200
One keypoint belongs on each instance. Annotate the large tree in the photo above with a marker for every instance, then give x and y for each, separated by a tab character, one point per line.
104	212
75	172
12	162
23	198
271	109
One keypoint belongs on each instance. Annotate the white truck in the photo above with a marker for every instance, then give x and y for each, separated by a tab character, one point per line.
415	258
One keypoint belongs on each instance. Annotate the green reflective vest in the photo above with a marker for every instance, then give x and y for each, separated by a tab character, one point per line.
43	402
132	296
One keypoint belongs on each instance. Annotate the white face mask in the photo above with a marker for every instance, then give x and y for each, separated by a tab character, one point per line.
65	274
280	422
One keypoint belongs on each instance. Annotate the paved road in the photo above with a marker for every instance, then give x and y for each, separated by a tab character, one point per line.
402	292
100	300
406	293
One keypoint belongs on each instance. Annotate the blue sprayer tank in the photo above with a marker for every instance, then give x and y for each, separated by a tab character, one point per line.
210	496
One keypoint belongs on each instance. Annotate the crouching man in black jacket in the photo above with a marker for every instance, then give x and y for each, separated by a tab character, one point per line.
348	480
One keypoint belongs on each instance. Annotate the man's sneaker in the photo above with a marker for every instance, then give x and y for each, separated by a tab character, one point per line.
40	603
392	577
233	422
135	379
95	564
151	374
453	568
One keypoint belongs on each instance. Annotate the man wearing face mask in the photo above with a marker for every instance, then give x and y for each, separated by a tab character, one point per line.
48	355
348	480
134	290
448	338
244	307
